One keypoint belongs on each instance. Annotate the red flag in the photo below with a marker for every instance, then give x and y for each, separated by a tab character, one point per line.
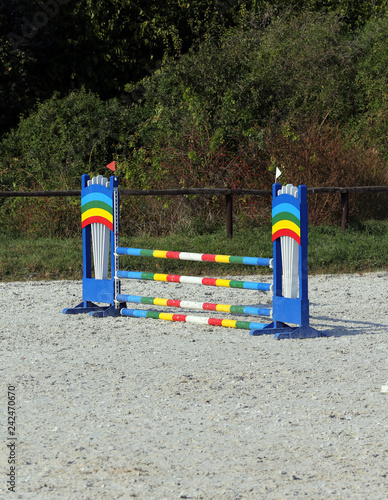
112	166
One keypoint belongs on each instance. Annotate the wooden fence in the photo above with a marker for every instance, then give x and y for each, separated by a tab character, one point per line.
228	193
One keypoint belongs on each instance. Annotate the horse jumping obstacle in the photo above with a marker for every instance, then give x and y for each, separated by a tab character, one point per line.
100	217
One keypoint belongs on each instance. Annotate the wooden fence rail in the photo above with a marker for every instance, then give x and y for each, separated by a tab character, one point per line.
228	193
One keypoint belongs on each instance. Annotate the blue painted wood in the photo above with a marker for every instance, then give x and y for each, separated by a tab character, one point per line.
303	258
277	257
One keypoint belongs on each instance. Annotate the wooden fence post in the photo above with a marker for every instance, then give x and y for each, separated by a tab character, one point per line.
345	210
229	215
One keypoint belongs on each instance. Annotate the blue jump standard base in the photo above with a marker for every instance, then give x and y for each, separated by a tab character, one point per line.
284	310
283	331
94	310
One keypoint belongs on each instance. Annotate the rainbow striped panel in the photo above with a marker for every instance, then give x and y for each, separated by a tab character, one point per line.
248	285
186	304
286	217
199	320
97	206
205	257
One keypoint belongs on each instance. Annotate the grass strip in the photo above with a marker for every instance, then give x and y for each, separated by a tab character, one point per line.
361	248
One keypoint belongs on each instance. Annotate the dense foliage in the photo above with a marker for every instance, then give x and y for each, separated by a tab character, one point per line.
186	94
63	137
105	44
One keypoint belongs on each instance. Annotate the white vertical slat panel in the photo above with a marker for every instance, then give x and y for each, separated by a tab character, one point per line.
290	255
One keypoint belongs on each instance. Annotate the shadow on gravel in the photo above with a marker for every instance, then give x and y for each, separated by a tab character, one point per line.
357	328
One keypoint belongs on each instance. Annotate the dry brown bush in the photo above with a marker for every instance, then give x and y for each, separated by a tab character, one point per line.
323	156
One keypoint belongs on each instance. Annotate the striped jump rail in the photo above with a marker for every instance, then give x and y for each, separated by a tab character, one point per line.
198	320
198	257
204	306
173	278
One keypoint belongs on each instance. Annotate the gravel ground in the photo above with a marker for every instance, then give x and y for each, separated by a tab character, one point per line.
122	407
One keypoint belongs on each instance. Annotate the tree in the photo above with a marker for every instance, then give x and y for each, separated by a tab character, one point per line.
61	140
101	45
371	121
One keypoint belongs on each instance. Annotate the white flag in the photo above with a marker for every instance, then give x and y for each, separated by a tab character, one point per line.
278	173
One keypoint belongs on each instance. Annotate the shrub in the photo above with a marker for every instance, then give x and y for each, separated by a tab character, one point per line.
322	156
371	121
221	99
41	217
61	140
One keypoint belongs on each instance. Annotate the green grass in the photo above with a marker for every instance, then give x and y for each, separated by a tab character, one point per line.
40	259
362	248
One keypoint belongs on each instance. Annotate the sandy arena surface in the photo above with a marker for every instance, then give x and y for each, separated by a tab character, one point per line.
138	408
